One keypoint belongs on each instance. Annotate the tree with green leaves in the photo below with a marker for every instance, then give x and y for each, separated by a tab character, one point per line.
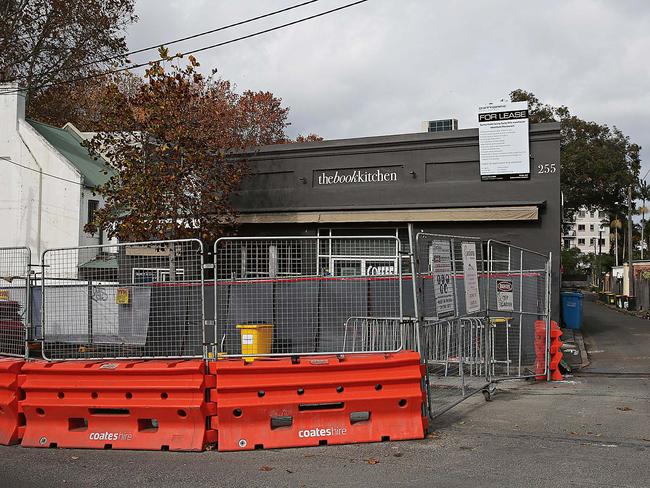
598	162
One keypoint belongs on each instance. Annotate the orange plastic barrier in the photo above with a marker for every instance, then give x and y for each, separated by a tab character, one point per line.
555	353
155	405
274	403
540	350
12	420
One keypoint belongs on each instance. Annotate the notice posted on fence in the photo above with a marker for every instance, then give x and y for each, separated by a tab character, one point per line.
505	299
443	280
472	296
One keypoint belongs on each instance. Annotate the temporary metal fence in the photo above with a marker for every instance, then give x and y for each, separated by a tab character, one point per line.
307	295
14	300
518	291
452	316
478	312
128	300
483	311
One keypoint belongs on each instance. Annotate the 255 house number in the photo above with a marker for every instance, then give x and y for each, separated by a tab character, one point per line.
546	168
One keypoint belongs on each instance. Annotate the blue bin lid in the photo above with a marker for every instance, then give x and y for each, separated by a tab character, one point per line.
572	294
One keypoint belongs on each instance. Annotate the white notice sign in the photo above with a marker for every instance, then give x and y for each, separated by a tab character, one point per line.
472	296
505	299
503	141
443	280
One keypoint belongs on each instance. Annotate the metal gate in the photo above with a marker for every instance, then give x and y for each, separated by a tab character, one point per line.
483	314
518	291
128	300
451	311
280	296
15	310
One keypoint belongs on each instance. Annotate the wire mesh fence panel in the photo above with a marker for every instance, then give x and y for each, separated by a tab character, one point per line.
452	309
14	300
140	300
518	301
456	360
308	295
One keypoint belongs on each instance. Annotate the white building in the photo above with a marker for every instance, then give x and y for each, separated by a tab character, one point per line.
589	232
47	182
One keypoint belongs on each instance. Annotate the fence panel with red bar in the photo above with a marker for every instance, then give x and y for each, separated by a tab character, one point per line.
311	401
126	300
313	295
153	405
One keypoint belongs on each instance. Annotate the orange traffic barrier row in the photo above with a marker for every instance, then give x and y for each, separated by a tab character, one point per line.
12	420
153	405
285	402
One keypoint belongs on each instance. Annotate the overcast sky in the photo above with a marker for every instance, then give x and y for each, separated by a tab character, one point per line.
384	66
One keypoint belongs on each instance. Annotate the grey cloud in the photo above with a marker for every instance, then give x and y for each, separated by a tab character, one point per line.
383	66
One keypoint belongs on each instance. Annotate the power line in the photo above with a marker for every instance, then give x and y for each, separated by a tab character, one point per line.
194	51
41	172
175	41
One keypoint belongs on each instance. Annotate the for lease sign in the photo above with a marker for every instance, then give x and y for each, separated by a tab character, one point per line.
503	141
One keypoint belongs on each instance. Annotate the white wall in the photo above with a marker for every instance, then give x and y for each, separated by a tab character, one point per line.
35	210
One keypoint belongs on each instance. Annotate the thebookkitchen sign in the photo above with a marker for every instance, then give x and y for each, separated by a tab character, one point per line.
355	176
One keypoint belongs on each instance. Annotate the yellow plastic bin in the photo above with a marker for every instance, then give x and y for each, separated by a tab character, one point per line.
255	339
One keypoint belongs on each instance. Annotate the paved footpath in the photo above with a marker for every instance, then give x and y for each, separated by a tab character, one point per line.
591	430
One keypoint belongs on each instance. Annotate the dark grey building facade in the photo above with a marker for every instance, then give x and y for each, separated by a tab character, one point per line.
372	185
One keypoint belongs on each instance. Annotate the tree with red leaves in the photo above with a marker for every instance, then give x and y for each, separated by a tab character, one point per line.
172	148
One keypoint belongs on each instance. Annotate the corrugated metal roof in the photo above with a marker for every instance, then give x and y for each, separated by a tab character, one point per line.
69	145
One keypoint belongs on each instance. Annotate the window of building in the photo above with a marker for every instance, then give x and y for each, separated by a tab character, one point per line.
442	125
359	257
591	227
581	242
602	242
93	205
581	214
581	227
592	241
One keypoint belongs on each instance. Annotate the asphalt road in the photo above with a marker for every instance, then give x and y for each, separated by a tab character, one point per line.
616	342
591	430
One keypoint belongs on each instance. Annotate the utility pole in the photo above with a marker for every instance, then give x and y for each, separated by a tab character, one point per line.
630	258
600	252
594	268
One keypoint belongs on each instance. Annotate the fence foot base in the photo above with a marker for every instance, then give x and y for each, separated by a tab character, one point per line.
489	391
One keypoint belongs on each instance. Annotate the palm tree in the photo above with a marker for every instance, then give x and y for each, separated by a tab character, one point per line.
644	193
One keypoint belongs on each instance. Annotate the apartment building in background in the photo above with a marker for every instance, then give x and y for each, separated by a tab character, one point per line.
589	231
